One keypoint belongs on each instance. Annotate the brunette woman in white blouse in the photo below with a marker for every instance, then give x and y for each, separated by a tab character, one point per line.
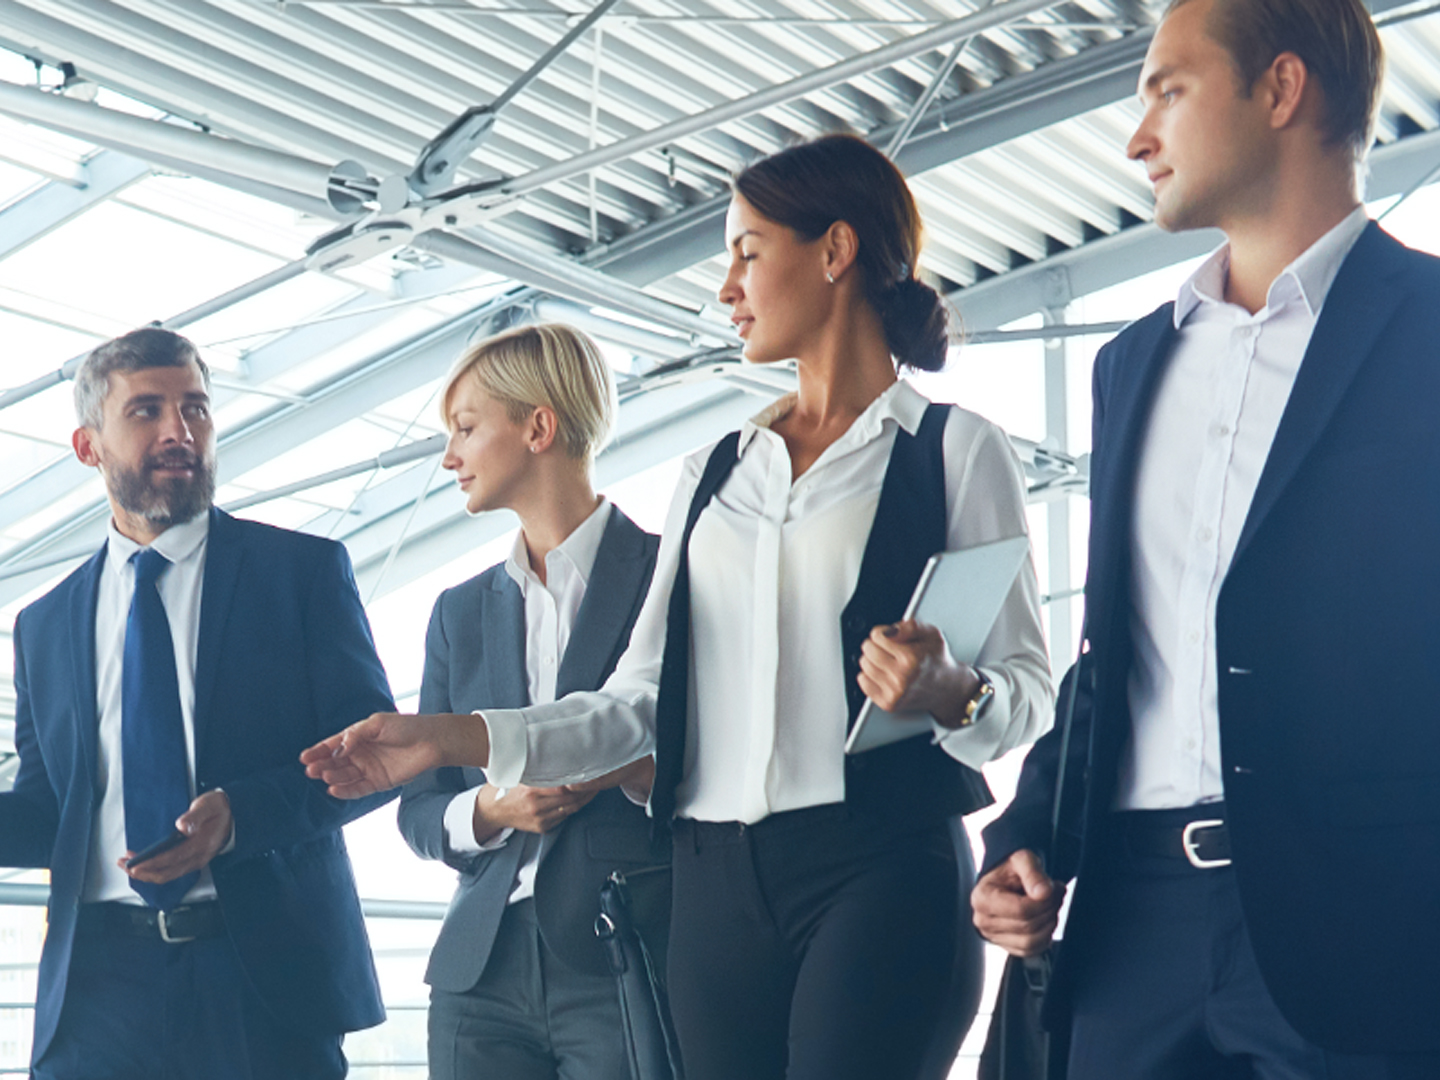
814	931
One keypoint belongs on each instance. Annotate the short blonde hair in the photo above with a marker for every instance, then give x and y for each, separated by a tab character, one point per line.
545	364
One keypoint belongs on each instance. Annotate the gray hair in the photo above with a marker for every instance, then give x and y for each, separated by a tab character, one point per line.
149	347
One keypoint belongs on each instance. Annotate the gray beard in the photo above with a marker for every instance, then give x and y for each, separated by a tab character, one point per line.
169	502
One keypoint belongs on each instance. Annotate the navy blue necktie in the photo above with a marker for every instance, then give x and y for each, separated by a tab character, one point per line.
152	741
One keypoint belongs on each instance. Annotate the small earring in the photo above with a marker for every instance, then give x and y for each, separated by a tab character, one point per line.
534	449
830	277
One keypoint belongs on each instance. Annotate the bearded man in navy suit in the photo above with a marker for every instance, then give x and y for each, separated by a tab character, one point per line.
1252	806
166	688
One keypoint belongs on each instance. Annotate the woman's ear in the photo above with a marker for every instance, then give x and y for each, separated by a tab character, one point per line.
541	429
840	247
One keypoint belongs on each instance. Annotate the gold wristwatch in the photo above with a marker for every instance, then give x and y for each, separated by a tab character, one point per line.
978	700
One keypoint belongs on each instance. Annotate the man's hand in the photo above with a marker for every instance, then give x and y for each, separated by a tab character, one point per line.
390	749
635	779
526	809
208	825
906	666
1017	906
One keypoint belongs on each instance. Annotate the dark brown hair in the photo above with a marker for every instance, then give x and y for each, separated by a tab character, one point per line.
1337	41
811	186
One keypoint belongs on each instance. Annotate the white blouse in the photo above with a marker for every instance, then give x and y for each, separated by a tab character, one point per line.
773	562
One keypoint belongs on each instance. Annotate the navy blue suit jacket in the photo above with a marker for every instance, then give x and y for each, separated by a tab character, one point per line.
284	659
1328	646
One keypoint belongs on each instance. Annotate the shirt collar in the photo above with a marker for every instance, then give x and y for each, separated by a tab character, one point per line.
1308	278
578	550
177	543
900	402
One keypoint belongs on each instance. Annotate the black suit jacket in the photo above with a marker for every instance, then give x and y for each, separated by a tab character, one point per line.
1328	646
284	659
475	659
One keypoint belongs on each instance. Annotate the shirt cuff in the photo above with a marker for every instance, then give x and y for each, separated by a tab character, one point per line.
508	747
977	744
460	826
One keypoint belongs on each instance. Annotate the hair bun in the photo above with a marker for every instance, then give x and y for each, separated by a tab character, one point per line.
916	324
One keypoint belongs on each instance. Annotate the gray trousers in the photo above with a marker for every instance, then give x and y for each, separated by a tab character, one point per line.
528	1018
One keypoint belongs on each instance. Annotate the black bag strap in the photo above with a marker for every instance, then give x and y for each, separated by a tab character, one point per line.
1067	725
672	700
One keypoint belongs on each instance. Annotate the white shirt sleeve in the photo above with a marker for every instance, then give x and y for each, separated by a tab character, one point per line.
460	826
585	735
985	494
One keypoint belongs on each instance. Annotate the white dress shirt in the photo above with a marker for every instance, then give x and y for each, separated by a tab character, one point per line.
550	610
1216	412
773	561
180	587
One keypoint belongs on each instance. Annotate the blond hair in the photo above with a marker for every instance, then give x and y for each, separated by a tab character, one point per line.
545	364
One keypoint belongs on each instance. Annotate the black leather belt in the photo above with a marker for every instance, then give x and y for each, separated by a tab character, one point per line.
1197	834
188	922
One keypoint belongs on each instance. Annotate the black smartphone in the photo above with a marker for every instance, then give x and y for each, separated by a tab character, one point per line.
175	839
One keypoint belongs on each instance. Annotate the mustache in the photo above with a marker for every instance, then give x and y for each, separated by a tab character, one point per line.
173	459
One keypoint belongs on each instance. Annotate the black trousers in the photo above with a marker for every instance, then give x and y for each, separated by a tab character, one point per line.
140	1009
814	945
529	1017
1167	987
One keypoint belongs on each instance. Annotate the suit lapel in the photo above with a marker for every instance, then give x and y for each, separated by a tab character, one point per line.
1127	415
605	612
1359	305
503	623
83	602
224	554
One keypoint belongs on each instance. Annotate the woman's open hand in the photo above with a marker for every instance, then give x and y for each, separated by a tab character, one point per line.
390	749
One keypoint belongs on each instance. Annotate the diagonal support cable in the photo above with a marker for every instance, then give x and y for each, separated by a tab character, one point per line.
918	110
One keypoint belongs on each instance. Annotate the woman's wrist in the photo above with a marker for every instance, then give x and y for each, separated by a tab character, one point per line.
460	739
957	689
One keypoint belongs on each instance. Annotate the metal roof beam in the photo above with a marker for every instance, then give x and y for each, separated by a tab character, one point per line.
937	37
949	130
1141	249
22	29
46	208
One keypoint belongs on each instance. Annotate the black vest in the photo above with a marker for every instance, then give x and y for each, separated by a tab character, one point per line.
912	782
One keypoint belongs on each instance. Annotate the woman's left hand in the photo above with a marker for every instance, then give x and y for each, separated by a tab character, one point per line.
906	666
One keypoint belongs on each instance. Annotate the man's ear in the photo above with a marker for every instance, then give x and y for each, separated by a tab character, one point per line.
1285	83
87	446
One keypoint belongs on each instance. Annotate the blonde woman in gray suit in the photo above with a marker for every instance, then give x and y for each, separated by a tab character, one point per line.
519	987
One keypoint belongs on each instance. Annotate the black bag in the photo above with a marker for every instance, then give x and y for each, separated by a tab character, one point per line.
633	926
1017	1045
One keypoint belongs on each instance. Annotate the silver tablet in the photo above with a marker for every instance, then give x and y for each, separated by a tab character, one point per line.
960	593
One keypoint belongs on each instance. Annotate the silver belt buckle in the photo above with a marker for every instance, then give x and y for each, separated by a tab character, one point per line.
165	930
1191	845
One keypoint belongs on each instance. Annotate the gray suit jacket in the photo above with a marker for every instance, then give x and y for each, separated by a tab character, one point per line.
475	659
